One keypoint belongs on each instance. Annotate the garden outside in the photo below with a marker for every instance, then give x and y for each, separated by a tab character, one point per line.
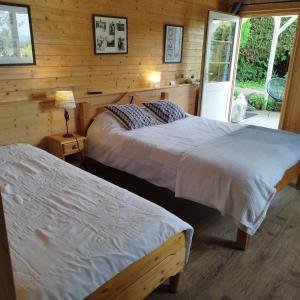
257	65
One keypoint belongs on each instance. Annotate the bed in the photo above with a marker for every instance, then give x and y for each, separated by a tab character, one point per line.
73	235
217	169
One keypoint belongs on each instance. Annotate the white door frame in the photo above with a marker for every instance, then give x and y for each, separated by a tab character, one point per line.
223	16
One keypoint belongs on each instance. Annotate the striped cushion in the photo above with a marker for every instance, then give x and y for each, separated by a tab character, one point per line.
132	116
166	110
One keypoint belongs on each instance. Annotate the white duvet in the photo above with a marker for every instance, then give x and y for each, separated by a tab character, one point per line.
230	167
69	231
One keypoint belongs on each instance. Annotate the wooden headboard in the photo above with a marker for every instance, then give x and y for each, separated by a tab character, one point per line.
87	111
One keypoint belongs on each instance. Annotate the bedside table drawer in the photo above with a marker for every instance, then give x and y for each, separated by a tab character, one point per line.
72	147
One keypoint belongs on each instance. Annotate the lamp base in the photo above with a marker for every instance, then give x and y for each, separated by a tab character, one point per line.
67	135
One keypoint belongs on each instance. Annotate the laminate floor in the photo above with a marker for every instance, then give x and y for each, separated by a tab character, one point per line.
269	269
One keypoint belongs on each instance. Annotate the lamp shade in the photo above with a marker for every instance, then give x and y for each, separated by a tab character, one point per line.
64	99
155	78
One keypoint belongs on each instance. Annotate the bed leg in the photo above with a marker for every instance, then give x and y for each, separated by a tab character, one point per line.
298	183
174	283
242	240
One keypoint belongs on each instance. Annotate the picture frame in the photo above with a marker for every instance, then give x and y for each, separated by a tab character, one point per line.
173	42
16	36
110	35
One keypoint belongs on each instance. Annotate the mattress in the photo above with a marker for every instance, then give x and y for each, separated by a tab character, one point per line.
69	231
232	168
151	153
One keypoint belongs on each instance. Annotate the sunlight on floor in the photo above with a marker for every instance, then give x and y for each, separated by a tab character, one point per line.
269	119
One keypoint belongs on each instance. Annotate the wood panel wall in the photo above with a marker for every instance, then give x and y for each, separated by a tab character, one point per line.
275	6
290	119
65	58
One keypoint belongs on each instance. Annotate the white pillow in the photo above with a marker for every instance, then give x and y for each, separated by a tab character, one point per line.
107	121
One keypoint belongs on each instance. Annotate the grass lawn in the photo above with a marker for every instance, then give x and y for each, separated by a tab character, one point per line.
250	84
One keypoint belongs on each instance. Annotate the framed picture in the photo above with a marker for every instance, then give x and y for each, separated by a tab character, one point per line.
173	44
110	35
16	39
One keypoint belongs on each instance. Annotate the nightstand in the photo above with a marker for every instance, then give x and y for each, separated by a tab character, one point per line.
70	149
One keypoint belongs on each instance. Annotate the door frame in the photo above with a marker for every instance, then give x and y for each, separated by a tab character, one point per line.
274	12
203	65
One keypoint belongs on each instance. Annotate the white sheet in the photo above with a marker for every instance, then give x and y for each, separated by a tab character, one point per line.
151	153
69	231
230	167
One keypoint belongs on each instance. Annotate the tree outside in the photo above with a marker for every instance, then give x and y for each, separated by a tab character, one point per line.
257	36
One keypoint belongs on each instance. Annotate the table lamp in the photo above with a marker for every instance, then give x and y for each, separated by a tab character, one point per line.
155	78
65	100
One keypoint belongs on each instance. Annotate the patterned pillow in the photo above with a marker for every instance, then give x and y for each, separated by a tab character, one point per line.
166	110
132	116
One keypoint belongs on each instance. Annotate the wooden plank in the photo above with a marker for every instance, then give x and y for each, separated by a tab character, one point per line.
298	183
7	287
242	240
143	276
65	57
184	96
268	271
174	283
289	175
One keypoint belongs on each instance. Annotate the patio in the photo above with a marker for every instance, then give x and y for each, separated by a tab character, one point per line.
269	119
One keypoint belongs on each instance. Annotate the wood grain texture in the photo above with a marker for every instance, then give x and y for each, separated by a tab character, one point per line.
242	240
142	277
174	283
272	8
289	175
291	109
298	183
268	270
185	96
7	288
63	37
87	111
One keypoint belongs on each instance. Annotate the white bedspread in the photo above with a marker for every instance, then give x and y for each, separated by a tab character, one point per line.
151	153
230	167
69	231
239	172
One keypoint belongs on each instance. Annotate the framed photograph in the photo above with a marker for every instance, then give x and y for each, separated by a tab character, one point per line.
173	44
16	39
110	35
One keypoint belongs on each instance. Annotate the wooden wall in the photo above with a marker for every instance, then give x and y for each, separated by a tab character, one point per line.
65	57
275	6
290	119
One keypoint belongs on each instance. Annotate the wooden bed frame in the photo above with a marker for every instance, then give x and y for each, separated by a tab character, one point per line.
135	282
88	111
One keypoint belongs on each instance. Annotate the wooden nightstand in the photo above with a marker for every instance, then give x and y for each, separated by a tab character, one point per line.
70	149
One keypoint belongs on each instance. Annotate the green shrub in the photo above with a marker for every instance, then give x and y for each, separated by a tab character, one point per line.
245	34
256	39
257	101
236	93
270	104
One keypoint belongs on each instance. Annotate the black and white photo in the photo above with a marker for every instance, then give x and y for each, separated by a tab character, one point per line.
173	43
120	27
16	39
110	35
